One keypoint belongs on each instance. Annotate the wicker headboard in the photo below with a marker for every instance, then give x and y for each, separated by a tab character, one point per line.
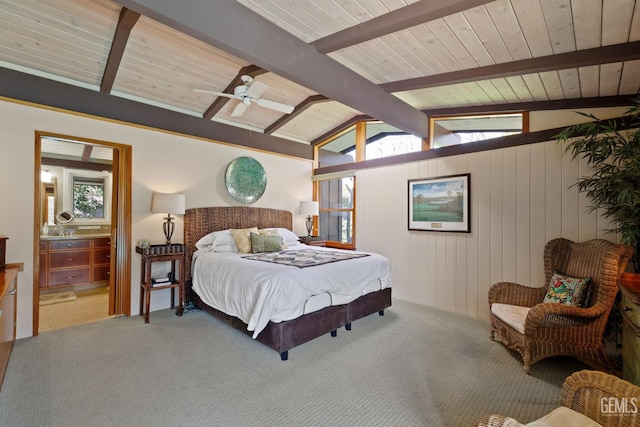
199	222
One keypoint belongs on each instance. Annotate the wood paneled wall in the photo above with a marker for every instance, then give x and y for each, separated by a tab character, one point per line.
521	197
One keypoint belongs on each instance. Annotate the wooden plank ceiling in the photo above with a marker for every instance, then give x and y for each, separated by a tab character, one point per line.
393	60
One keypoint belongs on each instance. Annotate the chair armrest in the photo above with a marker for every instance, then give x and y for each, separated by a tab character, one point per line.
545	311
596	394
515	294
497	421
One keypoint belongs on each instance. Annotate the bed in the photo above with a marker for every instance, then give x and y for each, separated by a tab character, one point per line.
278	334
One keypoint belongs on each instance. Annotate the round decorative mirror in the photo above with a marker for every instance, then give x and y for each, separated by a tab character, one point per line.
64	217
245	179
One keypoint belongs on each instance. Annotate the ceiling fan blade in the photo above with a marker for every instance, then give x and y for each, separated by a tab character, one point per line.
239	109
255	89
213	92
273	105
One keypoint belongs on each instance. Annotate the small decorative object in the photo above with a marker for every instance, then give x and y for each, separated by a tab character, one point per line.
245	180
143	244
65	217
169	204
439	204
311	209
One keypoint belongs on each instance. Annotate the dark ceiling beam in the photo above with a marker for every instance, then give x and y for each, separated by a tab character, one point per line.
581	58
399	19
456	150
127	20
234	28
249	70
556	104
340	128
38	90
76	164
300	108
86	152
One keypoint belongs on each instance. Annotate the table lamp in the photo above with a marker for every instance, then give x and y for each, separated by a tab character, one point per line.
309	208
169	204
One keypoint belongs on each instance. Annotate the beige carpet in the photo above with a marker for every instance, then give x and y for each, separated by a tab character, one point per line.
57	297
415	366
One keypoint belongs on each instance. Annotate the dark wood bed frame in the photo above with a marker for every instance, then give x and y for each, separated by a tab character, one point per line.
282	336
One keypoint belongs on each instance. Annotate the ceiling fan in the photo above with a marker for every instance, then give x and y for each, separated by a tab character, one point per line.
249	92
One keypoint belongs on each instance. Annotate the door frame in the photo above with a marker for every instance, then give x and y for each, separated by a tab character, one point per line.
120	278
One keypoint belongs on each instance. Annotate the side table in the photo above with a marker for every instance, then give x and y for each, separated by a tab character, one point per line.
173	253
313	240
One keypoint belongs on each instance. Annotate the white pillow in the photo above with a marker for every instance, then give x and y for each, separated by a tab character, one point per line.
290	238
218	241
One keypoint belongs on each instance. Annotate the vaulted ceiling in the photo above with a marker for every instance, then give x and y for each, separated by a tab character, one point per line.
149	61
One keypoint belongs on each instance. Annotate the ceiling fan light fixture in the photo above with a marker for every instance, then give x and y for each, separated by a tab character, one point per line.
248	92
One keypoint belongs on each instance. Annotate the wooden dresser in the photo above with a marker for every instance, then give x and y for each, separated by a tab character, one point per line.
8	295
630	310
69	262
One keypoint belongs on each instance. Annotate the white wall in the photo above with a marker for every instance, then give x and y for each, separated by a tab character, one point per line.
161	162
520	198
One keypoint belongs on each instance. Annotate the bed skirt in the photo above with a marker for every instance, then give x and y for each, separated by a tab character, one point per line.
286	335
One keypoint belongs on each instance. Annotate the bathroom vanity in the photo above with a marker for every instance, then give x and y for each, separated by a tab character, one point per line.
78	260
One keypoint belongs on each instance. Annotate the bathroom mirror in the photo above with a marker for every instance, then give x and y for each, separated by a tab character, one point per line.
64	217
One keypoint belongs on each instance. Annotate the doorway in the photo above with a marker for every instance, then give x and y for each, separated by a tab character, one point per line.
82	223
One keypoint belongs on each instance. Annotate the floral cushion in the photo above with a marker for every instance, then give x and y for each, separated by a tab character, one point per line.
568	290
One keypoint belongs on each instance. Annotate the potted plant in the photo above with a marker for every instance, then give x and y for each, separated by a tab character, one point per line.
612	151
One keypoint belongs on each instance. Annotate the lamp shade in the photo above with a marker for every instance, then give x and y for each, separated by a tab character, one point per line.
167	203
309	208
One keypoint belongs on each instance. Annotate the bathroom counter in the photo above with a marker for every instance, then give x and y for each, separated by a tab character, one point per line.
75	236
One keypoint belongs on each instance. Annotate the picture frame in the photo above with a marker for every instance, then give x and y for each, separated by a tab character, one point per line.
439	204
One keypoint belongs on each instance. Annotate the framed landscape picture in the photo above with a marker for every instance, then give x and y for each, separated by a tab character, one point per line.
439	204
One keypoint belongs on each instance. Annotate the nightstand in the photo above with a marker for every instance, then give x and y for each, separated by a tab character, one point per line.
313	240
173	253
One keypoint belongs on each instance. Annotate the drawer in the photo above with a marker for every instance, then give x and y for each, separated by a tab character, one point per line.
43	245
101	256
101	274
102	242
57	245
631	310
75	276
69	259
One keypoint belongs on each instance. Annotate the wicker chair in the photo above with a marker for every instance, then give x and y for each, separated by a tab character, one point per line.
603	398
552	329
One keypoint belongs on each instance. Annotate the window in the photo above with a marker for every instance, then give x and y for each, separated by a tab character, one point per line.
383	140
337	211
446	131
88	197
380	140
339	150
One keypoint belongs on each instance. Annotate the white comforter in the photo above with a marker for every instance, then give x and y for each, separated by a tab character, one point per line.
258	292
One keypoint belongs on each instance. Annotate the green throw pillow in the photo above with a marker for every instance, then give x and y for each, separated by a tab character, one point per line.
568	290
265	243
